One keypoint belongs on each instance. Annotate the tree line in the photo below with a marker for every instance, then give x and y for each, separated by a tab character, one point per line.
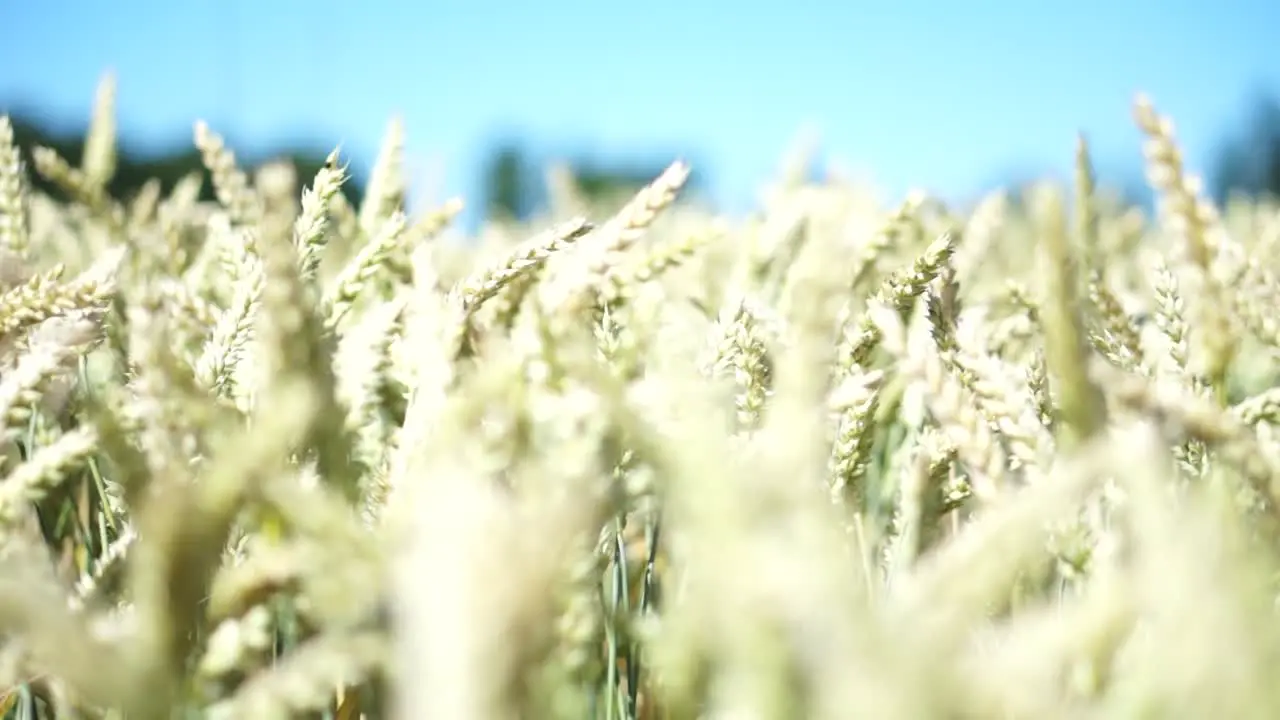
512	185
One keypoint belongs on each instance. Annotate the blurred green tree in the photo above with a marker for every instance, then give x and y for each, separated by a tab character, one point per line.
513	185
510	184
134	169
1248	161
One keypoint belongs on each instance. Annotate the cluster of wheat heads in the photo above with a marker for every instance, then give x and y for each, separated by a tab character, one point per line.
271	457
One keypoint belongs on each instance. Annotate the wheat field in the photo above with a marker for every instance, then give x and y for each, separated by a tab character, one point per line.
280	456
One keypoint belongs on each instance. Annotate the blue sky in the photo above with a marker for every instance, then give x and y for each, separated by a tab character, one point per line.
949	96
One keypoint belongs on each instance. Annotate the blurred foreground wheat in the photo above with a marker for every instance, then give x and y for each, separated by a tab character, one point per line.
281	457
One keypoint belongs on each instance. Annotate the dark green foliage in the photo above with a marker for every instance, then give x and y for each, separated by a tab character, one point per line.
135	169
1249	162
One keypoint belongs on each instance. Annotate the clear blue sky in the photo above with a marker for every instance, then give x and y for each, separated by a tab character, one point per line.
949	96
